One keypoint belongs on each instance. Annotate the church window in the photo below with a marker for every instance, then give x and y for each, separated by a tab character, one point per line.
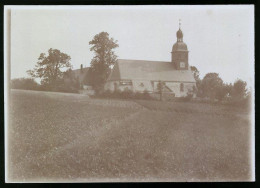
181	87
126	82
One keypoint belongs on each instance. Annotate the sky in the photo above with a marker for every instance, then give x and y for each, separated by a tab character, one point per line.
219	38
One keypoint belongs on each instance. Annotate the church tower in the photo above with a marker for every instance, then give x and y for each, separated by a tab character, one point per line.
180	52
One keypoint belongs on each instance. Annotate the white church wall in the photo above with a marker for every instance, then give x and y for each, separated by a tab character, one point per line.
111	86
122	88
176	88
142	85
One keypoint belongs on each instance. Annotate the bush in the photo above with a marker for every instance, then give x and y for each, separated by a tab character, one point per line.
138	95
60	86
107	93
146	95
187	98
25	83
126	94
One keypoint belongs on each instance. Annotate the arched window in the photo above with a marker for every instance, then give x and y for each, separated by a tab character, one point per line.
181	87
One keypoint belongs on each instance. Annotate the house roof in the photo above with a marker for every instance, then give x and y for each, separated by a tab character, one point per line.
81	74
149	70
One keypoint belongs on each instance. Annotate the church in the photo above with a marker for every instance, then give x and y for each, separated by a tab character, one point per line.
141	75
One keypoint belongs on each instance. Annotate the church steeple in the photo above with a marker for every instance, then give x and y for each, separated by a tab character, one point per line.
179	33
180	52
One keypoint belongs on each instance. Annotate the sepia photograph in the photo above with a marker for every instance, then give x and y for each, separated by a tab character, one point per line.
151	93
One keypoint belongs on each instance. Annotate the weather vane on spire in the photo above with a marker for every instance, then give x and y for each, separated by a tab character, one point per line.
179	23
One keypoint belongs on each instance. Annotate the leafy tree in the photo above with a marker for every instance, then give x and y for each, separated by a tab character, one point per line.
104	58
50	68
211	86
196	75
160	88
239	90
222	91
70	82
24	83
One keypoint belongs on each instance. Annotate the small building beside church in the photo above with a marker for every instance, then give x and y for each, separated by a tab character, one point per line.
78	79
141	75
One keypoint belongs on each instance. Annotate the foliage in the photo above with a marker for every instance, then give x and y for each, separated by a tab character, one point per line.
104	58
126	94
221	92
69	83
239	89
24	83
50	68
160	87
188	97
196	75
210	85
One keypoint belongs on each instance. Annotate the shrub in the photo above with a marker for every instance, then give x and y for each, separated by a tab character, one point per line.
138	95
116	94
126	94
146	95
25	83
187	98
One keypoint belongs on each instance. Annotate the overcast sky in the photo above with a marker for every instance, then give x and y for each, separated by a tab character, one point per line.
220	38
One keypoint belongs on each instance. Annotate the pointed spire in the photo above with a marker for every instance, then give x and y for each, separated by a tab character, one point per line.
179	33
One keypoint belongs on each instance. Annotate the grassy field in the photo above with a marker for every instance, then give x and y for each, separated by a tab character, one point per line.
69	137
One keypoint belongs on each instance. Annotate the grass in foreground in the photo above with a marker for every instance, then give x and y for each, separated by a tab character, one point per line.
56	137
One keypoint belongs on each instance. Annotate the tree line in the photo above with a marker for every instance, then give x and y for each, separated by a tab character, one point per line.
55	73
213	88
54	69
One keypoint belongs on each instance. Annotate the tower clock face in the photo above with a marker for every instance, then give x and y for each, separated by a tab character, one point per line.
182	65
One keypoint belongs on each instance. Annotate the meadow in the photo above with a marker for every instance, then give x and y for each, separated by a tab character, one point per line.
57	137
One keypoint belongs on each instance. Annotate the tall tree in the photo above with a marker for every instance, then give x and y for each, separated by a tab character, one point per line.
160	88
50	68
211	84
103	47
196	75
239	90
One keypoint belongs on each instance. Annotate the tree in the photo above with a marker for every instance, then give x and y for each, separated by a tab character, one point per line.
50	68
222	91
70	82
211	86
104	58
196	75
160	87
239	90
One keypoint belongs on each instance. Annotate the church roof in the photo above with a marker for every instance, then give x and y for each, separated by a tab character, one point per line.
179	46
179	33
149	70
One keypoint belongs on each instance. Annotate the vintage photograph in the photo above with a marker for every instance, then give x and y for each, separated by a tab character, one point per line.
129	93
